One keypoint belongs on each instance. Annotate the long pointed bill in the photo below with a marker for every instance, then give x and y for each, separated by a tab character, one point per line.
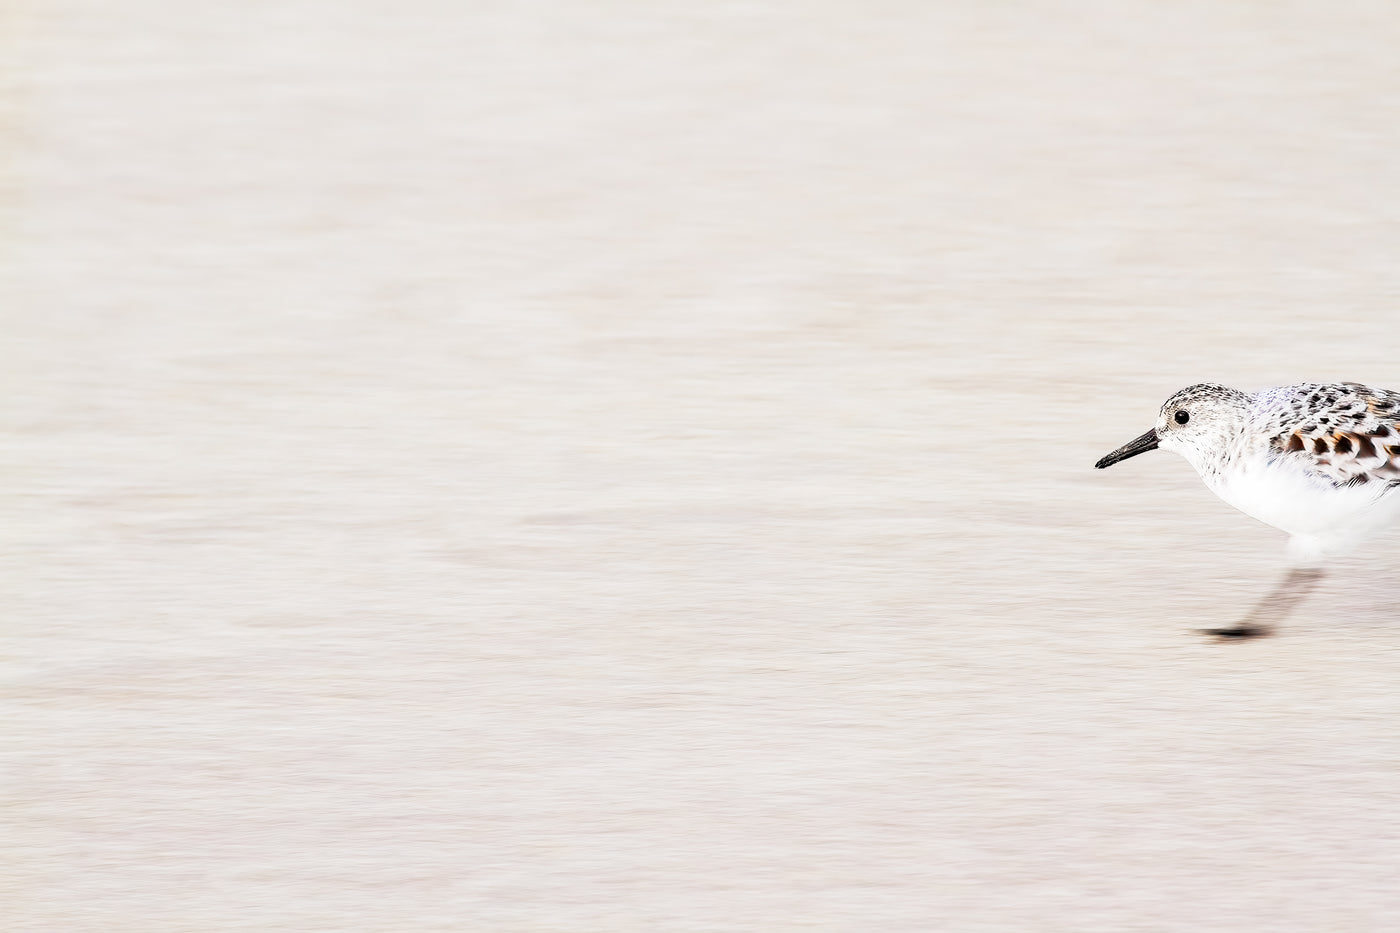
1138	445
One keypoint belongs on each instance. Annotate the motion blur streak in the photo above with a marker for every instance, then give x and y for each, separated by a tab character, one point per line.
626	466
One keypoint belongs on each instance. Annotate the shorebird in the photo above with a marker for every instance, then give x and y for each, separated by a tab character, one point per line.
1319	461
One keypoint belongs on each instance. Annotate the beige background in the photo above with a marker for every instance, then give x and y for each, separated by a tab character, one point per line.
626	466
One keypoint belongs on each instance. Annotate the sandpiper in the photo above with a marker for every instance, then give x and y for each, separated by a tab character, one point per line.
1319	461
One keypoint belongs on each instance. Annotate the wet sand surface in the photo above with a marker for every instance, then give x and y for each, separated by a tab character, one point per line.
606	466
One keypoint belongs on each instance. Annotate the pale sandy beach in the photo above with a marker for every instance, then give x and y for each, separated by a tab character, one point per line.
628	466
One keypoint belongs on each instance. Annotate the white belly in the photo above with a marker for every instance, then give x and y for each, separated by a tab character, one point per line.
1332	516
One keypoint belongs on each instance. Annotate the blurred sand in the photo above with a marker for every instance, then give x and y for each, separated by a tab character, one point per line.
620	466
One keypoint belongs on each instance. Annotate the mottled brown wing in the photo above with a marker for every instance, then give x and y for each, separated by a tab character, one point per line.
1353	439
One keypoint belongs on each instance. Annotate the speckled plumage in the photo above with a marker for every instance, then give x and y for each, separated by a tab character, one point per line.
1320	461
1348	434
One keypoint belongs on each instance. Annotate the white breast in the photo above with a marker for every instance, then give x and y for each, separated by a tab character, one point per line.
1300	504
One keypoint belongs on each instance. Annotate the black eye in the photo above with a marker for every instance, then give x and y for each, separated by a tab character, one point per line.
1181	416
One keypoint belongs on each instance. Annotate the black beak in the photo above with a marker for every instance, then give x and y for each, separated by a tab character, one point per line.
1138	445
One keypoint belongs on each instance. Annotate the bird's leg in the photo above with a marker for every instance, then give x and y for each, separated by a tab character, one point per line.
1296	585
